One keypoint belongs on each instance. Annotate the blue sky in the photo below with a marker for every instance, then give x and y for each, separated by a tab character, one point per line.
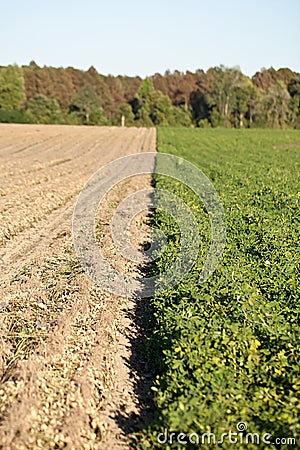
141	38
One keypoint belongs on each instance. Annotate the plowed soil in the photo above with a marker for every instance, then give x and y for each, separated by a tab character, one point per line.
69	375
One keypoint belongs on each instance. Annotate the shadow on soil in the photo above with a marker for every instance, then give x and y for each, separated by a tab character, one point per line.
146	357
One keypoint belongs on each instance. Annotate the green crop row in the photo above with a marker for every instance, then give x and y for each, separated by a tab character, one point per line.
227	351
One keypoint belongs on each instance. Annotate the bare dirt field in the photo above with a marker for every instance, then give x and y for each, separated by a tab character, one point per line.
66	380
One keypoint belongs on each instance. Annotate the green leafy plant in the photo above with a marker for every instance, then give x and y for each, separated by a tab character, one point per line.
228	350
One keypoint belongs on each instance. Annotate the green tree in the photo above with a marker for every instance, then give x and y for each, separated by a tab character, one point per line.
181	117
255	105
97	117
161	109
222	93
241	100
12	90
277	104
124	110
200	106
141	104
143	117
152	107
294	104
42	109
13	116
145	90
85	102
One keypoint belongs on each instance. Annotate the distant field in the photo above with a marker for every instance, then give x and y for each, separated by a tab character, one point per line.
227	351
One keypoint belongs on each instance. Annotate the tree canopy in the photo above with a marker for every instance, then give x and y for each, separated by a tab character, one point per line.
221	96
12	89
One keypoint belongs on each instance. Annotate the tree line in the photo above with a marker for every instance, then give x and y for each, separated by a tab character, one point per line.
221	96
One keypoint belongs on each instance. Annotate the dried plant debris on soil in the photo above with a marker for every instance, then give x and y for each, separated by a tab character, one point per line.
61	337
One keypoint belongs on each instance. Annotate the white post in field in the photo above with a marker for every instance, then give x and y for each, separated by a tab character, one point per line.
123	121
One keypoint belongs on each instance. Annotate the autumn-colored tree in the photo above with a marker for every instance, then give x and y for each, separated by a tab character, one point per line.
265	78
220	96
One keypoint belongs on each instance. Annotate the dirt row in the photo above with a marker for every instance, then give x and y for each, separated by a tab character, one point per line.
66	380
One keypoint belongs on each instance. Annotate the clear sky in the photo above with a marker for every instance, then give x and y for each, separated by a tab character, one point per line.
141	38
